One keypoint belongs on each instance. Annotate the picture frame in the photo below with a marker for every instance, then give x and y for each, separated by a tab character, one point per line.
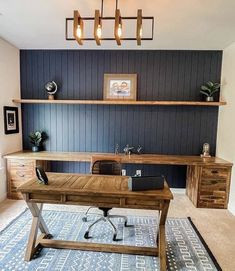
120	87
11	120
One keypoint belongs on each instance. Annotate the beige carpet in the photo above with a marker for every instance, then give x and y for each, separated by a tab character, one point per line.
216	226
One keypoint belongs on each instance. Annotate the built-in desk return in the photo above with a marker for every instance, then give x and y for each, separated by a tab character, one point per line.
207	184
146	183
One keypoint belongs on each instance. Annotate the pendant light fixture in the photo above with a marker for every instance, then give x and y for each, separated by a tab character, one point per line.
118	27
139	28
77	27
118	22
98	27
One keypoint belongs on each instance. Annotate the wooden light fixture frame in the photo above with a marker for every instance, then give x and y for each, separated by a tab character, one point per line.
97	22
78	20
139	26
118	21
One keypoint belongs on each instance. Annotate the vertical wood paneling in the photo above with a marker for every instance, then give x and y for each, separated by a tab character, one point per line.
162	75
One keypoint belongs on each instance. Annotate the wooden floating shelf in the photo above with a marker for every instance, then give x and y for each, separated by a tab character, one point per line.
122	102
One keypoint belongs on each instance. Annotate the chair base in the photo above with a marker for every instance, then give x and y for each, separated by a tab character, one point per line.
106	218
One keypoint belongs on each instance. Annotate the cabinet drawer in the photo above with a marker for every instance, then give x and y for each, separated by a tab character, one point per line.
21	164
15	195
213	199
22	175
213	192
215	173
211	184
212	203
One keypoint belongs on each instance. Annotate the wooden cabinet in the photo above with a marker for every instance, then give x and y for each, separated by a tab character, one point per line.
208	179
208	186
20	171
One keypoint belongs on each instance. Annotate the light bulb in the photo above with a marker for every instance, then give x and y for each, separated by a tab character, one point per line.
141	32
119	31
79	32
99	31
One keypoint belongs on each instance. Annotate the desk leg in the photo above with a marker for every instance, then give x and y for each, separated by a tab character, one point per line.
36	211
161	240
37	222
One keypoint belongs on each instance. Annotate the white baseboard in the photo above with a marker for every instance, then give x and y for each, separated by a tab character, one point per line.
3	197
178	190
231	209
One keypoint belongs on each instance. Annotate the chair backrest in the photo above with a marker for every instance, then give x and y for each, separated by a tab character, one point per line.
106	166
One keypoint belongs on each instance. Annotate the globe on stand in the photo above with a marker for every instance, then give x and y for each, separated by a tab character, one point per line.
51	89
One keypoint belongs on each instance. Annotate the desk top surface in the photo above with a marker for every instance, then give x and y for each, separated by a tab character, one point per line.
91	185
125	159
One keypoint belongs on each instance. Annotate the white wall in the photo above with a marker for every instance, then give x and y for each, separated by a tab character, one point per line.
226	128
9	88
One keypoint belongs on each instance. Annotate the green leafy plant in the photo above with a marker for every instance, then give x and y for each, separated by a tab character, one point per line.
210	88
36	138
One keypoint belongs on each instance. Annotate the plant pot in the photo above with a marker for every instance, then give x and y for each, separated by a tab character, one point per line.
209	99
35	148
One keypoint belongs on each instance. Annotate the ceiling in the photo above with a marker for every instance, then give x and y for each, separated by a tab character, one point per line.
179	24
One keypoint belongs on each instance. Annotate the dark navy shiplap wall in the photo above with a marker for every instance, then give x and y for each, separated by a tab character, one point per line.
162	75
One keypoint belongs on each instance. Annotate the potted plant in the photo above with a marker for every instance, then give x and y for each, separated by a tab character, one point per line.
36	139
209	89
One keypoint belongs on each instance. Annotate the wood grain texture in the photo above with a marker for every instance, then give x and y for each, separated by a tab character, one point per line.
93	186
23	157
97	22
118	21
147	251
208	179
20	171
208	186
162	76
116	102
96	189
139	27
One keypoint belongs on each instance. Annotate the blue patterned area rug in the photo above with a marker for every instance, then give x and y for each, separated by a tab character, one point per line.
185	248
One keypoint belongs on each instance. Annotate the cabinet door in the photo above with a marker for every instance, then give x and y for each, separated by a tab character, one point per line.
214	187
192	182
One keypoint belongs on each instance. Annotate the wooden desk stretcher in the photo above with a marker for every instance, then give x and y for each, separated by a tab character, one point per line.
94	190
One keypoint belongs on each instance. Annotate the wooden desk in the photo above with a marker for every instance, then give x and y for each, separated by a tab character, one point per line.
207	184
125	159
96	190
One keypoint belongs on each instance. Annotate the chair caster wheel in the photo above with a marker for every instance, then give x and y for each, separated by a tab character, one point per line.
86	235
125	225
84	219
115	238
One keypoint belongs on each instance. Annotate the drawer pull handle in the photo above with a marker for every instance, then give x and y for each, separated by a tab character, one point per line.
215	171
22	165
21	175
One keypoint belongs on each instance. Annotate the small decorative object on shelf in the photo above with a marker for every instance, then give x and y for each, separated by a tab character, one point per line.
120	87
139	150
36	139
128	150
51	89
116	149
206	150
209	89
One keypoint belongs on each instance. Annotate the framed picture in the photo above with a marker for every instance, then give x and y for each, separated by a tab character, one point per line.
11	120
120	87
